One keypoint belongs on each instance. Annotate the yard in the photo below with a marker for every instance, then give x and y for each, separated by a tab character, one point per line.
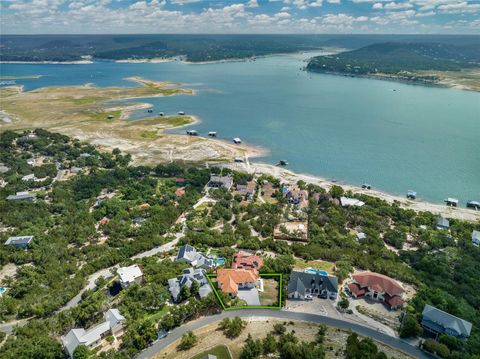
316	264
269	296
221	351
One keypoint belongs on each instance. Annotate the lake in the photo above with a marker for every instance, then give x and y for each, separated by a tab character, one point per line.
392	135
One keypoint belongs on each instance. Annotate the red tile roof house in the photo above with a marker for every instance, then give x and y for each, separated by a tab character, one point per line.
231	280
245	260
377	287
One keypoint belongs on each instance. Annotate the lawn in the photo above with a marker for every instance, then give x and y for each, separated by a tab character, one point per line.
269	296
220	351
158	315
316	264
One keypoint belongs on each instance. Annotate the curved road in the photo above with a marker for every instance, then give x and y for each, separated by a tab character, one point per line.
280	314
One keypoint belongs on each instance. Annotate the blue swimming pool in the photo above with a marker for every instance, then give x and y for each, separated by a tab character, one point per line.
220	261
313	271
3	290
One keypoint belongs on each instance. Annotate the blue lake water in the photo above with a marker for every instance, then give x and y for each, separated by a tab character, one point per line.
351	129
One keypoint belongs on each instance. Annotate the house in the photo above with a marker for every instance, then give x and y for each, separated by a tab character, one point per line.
130	275
75	170
302	284
378	287
230	281
93	337
437	322
210	356
180	182
361	235
31	161
3	168
22	196
188	254
180	192
245	260
297	196
443	223
476	238
85	155
291	231
19	241
30	177
348	202
220	182
187	278
246	189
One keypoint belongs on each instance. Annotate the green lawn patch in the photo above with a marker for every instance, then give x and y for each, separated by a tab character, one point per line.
220	351
274	303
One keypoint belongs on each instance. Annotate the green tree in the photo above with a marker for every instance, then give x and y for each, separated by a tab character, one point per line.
410	327
269	344
252	348
82	352
189	340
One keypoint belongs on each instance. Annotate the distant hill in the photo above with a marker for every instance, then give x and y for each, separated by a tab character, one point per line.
394	58
194	47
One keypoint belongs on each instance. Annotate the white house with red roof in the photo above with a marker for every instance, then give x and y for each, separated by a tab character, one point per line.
378	287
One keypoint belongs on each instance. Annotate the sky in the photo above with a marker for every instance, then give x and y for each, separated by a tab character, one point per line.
239	16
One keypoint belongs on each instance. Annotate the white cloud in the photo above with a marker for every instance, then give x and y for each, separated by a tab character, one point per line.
397	5
461	7
377	6
252	3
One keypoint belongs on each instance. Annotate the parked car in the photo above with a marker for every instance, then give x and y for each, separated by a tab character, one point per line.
323	295
308	297
162	334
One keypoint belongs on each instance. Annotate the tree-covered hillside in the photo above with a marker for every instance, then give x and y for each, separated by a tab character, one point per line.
395	58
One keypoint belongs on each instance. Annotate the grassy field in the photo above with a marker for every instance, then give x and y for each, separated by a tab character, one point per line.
221	351
316	264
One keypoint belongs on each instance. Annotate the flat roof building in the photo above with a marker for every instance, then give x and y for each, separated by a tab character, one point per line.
19	241
130	275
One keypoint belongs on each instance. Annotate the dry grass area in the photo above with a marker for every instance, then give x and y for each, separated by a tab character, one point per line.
269	295
209	336
468	79
82	112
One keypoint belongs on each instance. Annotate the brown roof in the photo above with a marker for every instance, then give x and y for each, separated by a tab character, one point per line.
229	279
379	283
394	301
247	261
356	289
180	192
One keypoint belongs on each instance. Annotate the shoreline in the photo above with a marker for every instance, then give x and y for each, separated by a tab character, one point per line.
419	205
441	83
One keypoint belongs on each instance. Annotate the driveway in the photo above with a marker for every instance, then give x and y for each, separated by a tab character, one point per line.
177	333
249	295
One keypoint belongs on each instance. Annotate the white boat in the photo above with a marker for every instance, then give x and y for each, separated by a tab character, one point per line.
237	140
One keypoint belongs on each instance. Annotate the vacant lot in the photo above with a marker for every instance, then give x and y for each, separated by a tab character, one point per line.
269	296
210	336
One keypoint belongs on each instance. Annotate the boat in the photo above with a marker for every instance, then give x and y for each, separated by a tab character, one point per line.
473	204
149	110
237	140
181	113
282	163
452	202
192	133
411	194
238	159
366	186
212	134
161	114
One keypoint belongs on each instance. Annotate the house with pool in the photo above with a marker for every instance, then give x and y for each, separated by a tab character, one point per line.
311	282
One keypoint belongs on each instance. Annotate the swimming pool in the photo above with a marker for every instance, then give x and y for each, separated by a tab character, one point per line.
220	261
313	271
3	290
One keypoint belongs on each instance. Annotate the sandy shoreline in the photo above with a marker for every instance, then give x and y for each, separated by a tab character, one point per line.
290	177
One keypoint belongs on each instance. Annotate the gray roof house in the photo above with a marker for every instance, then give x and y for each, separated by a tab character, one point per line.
186	279
92	338
443	223
19	241
188	254
439	322
220	182
3	168
302	284
22	196
476	238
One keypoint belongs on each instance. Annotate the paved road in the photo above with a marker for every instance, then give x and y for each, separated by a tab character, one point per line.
271	313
